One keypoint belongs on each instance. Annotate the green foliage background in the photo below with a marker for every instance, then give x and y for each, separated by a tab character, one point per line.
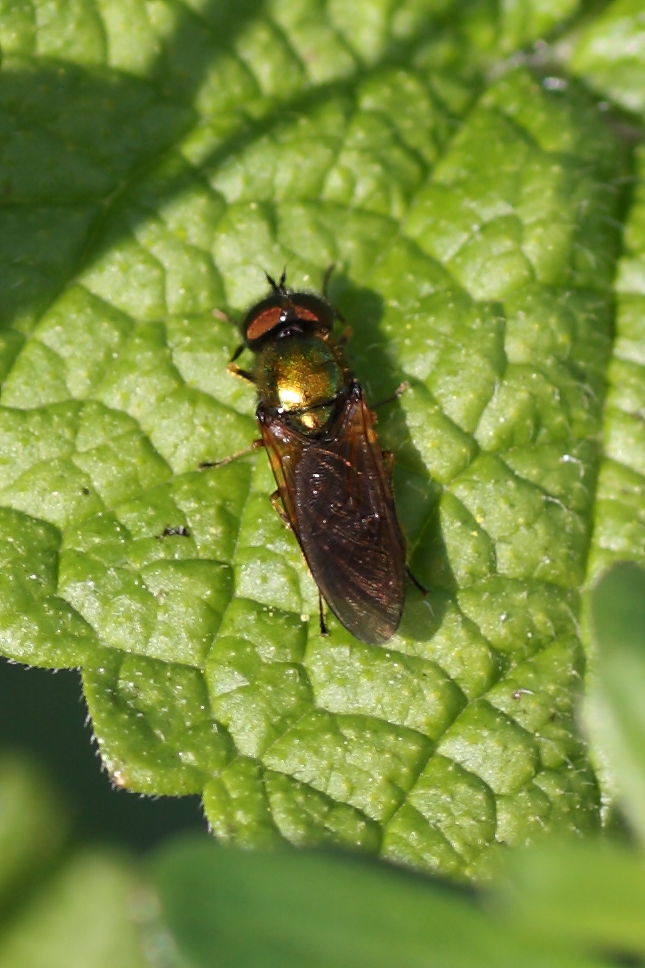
474	172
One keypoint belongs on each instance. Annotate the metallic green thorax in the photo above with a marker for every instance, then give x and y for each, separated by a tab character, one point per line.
301	376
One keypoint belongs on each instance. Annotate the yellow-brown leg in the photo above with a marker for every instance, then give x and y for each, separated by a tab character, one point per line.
238	371
402	387
279	509
255	445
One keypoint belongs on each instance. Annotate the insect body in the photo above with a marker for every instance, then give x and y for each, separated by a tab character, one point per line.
332	478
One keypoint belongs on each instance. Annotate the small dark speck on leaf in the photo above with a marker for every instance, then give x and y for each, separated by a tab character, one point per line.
180	532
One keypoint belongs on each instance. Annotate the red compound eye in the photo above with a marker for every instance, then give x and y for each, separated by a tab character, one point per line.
312	309
261	322
304	313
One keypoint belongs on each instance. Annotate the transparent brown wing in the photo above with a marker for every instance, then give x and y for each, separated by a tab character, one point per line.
337	495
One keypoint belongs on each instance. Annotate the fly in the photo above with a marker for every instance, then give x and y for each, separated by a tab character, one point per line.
334	483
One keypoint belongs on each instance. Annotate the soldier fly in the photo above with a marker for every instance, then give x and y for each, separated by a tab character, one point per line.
333	480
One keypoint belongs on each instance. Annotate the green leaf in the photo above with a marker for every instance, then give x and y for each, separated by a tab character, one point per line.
33	825
610	53
473	208
226	907
614	712
82	916
619	525
589	895
58	910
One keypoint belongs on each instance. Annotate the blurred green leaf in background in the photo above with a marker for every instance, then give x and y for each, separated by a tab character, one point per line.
475	173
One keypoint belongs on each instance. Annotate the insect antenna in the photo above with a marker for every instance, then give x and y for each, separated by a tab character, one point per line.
278	287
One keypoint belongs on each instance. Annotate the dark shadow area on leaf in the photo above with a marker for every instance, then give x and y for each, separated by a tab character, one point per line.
43	714
77	139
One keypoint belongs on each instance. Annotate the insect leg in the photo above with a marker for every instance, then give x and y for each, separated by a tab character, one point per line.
327	276
321	615
279	509
402	387
237	371
337	313
416	582
227	460
220	314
